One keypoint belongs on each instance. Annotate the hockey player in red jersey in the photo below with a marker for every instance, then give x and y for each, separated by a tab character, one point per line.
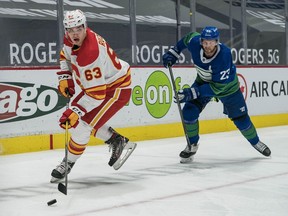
105	82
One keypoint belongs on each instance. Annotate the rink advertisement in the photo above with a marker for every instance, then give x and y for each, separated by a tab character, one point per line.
31	29
31	104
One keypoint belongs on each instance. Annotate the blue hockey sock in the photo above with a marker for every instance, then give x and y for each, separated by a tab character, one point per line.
193	131
247	129
251	135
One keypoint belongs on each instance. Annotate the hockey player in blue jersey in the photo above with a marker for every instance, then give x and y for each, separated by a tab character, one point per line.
216	77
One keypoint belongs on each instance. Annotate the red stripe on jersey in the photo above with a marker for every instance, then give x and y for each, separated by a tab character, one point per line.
74	68
64	72
97	95
98	92
89	51
121	82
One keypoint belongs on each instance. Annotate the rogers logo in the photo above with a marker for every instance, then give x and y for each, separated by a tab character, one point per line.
20	101
243	85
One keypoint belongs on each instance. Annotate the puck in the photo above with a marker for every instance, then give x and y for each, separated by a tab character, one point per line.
51	202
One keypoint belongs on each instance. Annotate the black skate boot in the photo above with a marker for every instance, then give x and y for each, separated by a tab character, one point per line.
59	172
187	155
117	144
262	148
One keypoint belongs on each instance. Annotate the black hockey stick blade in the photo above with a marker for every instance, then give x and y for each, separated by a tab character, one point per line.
62	188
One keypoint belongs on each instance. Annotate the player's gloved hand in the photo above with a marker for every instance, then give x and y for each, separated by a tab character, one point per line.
71	115
187	94
170	57
66	84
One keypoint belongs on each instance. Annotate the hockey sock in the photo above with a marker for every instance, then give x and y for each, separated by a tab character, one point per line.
193	131
75	150
251	135
247	129
103	133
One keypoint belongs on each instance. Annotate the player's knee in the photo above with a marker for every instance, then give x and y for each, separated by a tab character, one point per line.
81	134
242	122
190	112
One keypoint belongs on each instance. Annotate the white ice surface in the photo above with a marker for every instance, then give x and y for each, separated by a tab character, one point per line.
228	177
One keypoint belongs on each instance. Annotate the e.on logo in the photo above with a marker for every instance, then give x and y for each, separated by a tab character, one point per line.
20	101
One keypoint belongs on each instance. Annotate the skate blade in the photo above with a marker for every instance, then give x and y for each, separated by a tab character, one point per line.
129	147
187	160
56	180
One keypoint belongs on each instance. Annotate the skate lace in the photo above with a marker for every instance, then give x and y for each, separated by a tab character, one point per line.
61	167
191	148
113	147
260	146
187	149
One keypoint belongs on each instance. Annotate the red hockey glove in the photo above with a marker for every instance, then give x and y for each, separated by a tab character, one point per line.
66	84
71	115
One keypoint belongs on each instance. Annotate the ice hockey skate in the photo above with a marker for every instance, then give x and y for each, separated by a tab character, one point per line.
58	173
118	144
187	155
262	148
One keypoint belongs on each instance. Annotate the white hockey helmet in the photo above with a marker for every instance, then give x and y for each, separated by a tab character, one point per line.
74	18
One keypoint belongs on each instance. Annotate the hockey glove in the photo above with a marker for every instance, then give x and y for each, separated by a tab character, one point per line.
71	115
170	57
66	84
187	94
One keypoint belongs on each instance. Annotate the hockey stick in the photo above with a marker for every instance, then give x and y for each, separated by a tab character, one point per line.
178	104
61	187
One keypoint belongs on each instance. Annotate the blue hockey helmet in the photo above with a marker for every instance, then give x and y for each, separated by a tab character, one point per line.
210	33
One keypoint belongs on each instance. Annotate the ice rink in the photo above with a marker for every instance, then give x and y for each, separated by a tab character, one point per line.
228	177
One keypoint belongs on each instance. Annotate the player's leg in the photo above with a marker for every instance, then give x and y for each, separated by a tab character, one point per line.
76	146
115	141
235	107
191	112
114	101
246	127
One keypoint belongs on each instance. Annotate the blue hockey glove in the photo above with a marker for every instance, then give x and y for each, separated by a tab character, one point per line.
170	57
187	94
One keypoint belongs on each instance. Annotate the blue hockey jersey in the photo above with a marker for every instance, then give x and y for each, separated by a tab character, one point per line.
216	76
